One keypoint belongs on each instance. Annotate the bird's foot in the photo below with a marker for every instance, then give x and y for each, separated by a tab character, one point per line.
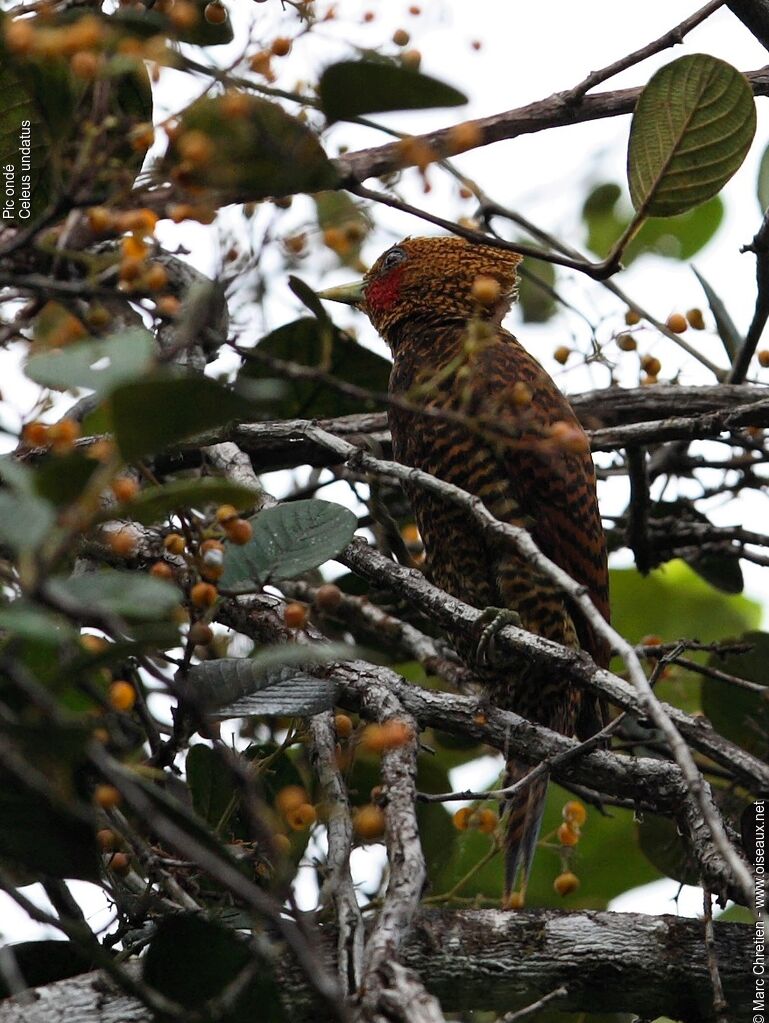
492	620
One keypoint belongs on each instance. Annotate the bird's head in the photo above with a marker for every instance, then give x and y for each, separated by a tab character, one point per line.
424	281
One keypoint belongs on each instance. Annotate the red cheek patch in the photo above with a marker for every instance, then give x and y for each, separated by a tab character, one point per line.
384	292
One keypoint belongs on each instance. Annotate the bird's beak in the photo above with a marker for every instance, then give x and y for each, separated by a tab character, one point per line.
350	294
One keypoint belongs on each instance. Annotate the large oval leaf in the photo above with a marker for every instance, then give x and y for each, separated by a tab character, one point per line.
288	540
354	87
96	364
692	127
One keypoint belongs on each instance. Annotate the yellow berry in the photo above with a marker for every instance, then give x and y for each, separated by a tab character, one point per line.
239	531
763	358
174	543
122	696
100	219
225	512
289	798
122	543
203	594
561	354
566	883
106	796
461	818
106	839
515	900
125	488
295	615
343	725
302	817
677	323
568	834
486	290
574	812
369	823
162	570
390	735
486	821
651	365
62	435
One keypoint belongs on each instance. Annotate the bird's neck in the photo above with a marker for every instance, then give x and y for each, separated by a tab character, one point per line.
423	349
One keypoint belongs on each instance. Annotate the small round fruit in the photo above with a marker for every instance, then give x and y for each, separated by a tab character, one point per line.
122	696
632	317
515	900
239	531
119	864
328	597
215	13
225	512
203	594
695	318
677	323
295	615
162	570
561	354
486	821
763	358
281	46
627	343
369	823
302	817
651	365
201	634
565	884
125	488
401	37
461	819
486	290
99	219
289	798
106	796
343	725
175	543
574	812
567	834
35	434
107	840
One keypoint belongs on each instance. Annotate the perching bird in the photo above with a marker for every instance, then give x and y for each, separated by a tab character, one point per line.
512	439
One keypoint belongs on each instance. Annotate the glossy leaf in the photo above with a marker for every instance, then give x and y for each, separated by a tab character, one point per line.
61	479
40	836
258	152
128	594
691	130
191	960
288	540
98	365
149	415
25	521
309	343
28	620
351	88
662	845
211	784
535	290
727	331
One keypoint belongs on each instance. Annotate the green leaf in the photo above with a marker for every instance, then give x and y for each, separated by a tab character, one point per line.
535	290
310	299
735	713
351	88
128	594
660	842
44	962
308	342
192	960
288	540
260	152
691	130
22	618
98	365
720	570
762	184
727	331
276	682
155	503
25	521
211	784
338	212
61	479
151	414
68	848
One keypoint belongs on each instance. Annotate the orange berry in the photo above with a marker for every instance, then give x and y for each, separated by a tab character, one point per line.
35	434
651	365
225	512
401	37
130	270
343	725
211	545
413	9
763	358
462	137
125	488
183	15
235	105
476	44
651	640
390	735
215	13
106	796
411	59
174	543
203	594
566	883
567	835
201	634
368	16
194	145
86	64
677	323
515	900
328	597
106	839
569	437
302	817
461	818
100	219
119	864
93	644
162	570
486	821
168	306
289	798
486	290
20	36
281	46
133	248
295	615
627	343
122	696
632	317
155	278
574	812
561	354
369	823
62	435
695	318
239	531
122	542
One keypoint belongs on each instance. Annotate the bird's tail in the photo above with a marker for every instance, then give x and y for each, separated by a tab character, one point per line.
524	818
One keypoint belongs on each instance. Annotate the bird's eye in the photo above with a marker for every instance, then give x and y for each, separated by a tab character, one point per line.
393	258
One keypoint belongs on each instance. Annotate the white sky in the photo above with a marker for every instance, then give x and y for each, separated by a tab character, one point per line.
529	51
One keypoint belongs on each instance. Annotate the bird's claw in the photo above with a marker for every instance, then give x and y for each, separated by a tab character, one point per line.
493	619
